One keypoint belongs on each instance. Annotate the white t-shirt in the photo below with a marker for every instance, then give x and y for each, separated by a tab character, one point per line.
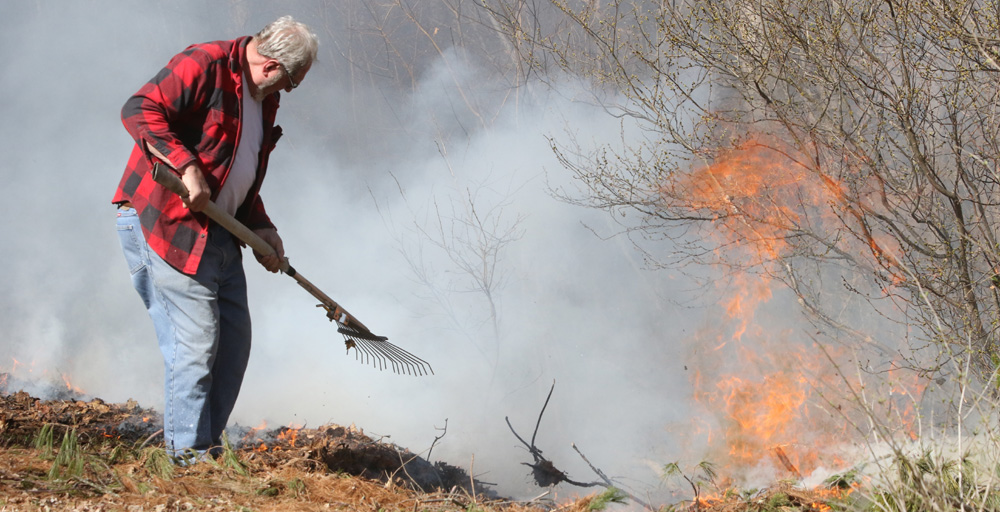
244	169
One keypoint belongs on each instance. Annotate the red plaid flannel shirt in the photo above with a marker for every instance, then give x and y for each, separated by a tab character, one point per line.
191	111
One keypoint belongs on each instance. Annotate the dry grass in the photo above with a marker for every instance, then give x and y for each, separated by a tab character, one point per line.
206	486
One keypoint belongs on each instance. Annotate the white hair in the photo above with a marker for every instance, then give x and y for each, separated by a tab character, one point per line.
288	41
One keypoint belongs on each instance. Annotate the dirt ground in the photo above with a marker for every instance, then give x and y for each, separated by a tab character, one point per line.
71	454
75	455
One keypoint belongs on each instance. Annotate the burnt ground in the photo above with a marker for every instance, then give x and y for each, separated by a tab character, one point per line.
76	454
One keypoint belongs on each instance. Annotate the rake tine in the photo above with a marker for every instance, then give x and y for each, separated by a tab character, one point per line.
364	353
401	360
377	348
411	361
415	365
377	351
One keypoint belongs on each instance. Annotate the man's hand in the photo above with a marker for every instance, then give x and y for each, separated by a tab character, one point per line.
198	192
272	262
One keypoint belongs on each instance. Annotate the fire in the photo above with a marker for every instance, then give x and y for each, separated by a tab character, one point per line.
22	373
740	306
251	436
767	412
70	386
763	408
285	435
903	389
764	193
771	392
290	433
754	198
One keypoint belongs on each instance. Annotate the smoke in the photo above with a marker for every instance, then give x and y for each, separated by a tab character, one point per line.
373	191
570	307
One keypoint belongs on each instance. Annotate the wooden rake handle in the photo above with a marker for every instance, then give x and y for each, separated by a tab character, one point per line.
164	176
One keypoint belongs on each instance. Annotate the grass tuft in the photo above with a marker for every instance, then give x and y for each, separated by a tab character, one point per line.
69	461
44	441
229	458
158	462
612	495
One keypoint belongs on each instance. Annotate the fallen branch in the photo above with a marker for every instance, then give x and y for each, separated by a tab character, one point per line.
543	470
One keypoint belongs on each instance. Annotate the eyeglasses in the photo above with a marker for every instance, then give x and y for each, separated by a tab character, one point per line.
291	80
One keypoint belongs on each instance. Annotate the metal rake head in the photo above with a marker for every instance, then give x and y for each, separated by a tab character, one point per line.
369	348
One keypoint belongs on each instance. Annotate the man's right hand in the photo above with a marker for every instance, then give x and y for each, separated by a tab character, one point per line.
198	192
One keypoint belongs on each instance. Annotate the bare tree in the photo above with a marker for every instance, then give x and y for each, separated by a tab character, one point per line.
844	141
454	248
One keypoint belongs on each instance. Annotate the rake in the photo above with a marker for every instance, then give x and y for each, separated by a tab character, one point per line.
368	347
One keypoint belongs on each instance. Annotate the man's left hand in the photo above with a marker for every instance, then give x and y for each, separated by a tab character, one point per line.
272	262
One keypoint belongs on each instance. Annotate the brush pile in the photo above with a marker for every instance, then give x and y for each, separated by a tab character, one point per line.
90	455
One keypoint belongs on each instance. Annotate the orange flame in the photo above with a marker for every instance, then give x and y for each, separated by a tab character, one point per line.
761	191
752	196
758	195
767	410
70	386
904	388
290	434
287	435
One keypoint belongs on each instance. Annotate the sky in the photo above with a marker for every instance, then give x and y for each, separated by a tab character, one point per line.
377	219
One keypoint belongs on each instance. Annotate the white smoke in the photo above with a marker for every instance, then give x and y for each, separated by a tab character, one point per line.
573	308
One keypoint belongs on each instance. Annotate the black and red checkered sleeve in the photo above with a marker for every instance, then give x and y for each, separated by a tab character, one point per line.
176	94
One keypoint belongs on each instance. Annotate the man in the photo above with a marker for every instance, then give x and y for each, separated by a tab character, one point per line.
209	115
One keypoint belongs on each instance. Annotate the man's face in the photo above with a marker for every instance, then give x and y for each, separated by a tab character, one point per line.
275	79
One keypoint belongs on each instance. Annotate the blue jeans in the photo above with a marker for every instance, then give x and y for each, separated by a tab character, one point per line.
202	325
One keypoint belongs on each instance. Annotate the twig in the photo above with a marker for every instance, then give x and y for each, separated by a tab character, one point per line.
697	491
472	479
511	427
402	467
544	471
540	496
309	464
608	481
150	438
598	471
535	452
444	431
540	413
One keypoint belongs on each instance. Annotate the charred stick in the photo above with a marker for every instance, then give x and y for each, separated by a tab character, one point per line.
787	462
535	452
540	413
